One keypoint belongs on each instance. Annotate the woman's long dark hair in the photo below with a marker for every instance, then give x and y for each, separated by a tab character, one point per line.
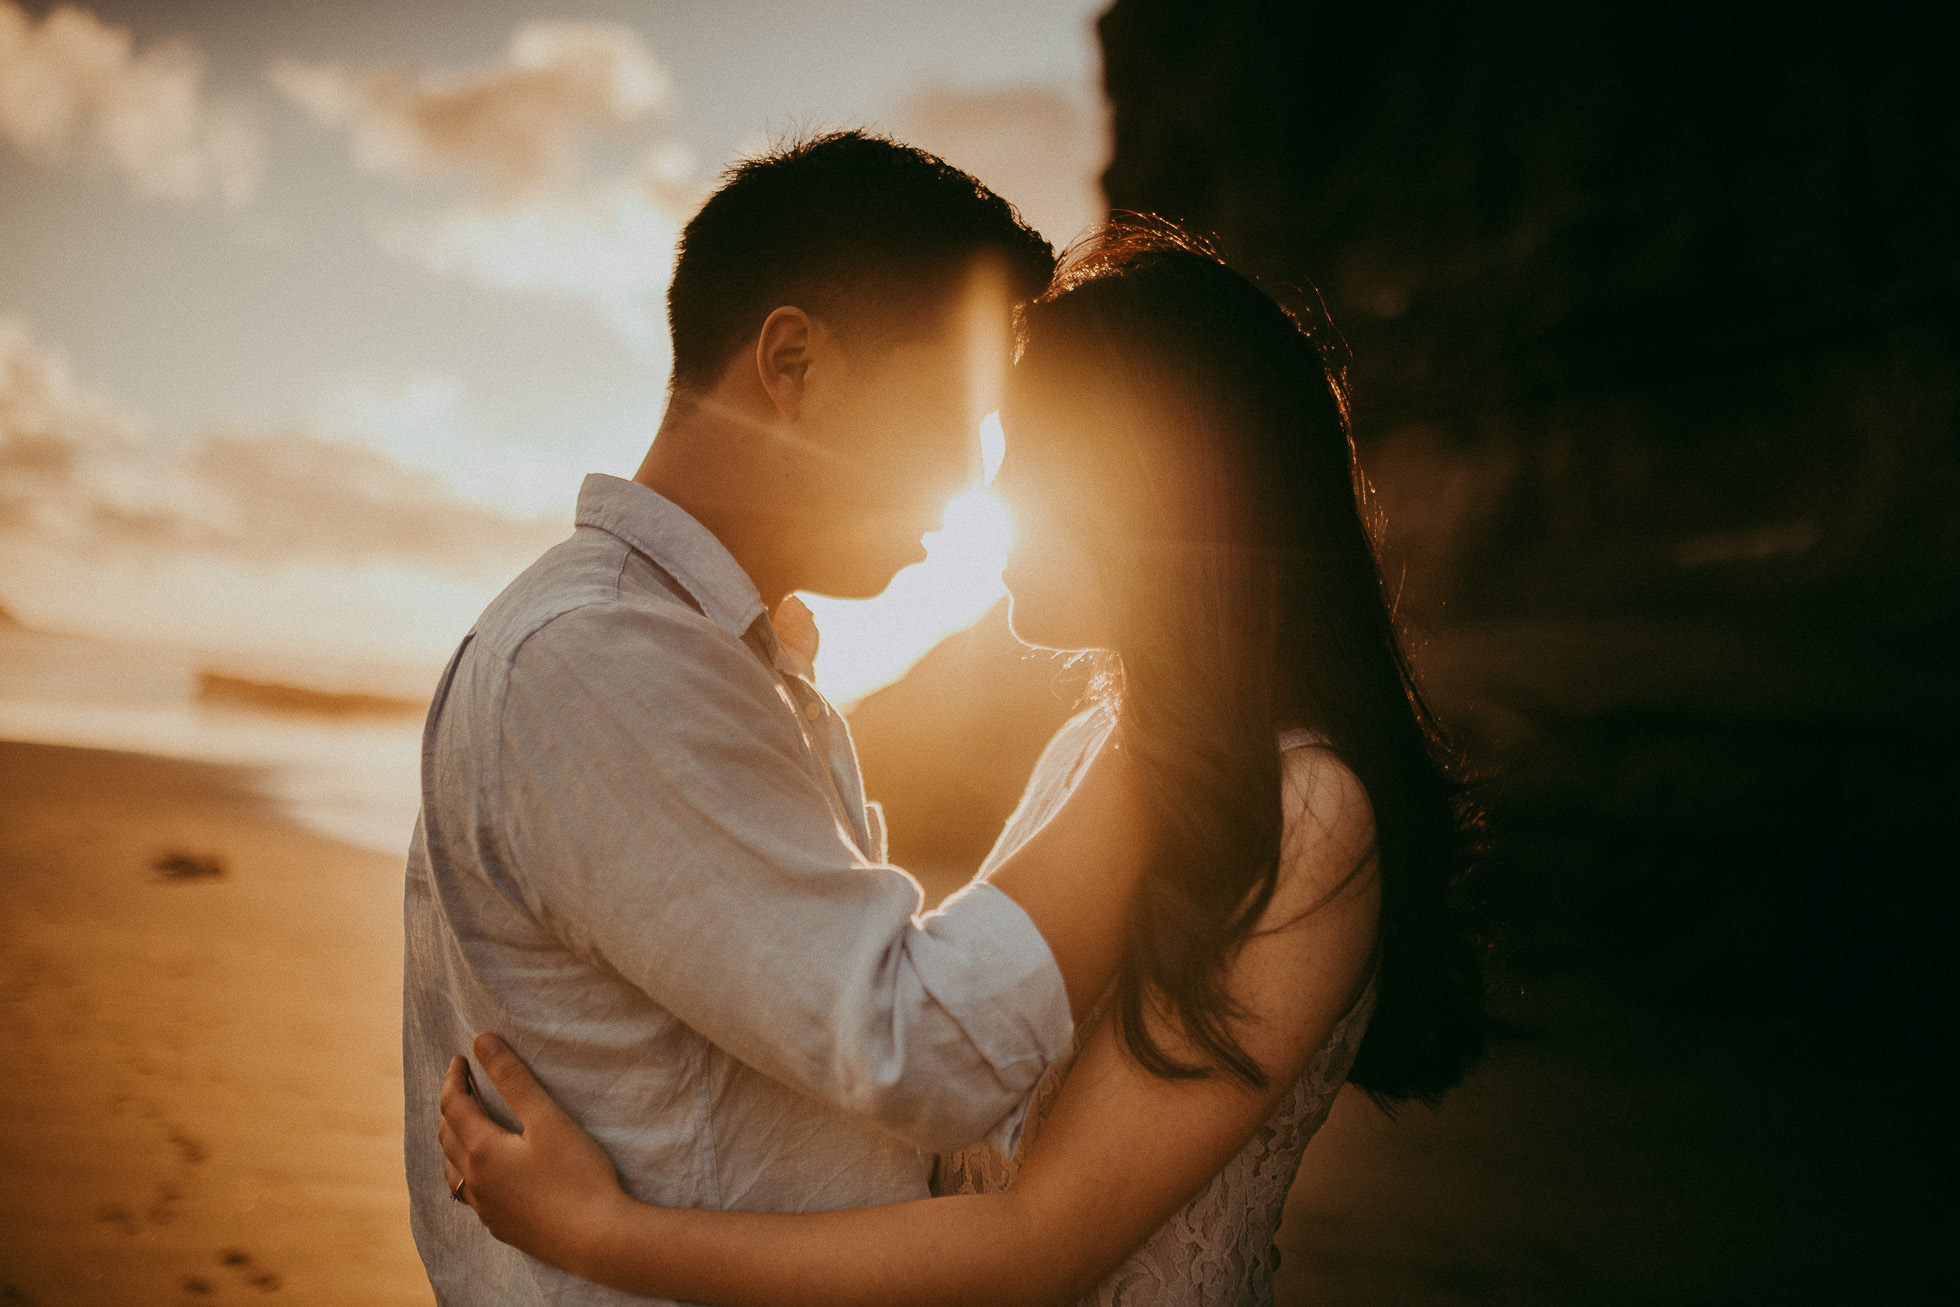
1229	527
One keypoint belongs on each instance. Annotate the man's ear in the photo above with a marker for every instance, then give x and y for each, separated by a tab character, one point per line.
782	358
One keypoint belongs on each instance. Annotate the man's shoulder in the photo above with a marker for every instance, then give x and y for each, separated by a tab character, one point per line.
595	596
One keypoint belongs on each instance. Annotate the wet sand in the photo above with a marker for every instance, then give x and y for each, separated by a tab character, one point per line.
204	1099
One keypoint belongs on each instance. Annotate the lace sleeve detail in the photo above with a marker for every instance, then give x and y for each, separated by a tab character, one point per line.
979	1169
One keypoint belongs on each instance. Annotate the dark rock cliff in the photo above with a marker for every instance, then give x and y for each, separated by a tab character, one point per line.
1654	314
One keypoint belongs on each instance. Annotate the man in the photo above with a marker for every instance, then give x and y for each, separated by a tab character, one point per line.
645	857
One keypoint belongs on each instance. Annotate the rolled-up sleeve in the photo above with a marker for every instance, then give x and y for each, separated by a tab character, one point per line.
652	796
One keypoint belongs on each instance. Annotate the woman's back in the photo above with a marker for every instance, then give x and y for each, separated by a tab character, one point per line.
1216	1249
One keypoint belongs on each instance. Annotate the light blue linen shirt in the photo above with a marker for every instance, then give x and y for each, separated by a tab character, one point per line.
645	858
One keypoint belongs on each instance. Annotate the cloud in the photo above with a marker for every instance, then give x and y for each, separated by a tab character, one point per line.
525	137
424	421
1041	149
295	494
51	433
78	475
71	78
608	244
512	127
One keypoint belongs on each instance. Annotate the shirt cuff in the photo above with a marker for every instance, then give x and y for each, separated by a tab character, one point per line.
1005	1137
988	966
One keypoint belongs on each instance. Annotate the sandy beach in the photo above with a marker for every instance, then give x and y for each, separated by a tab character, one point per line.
205	1092
205	1103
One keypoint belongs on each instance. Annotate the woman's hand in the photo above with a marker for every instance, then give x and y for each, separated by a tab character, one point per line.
548	1191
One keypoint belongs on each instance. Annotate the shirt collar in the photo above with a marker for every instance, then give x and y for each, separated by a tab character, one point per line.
686	550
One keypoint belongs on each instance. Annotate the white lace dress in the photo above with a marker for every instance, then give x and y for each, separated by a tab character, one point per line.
1218	1249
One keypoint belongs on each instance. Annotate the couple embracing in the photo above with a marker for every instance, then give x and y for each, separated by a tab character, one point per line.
715	1051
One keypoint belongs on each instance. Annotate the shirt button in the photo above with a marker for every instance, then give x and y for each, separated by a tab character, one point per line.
812	711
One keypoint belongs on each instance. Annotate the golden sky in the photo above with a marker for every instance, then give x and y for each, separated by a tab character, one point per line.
313	315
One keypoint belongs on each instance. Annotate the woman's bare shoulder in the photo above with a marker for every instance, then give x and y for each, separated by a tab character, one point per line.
1327	845
1306	963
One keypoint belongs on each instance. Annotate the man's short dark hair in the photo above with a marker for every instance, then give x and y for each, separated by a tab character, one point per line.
859	231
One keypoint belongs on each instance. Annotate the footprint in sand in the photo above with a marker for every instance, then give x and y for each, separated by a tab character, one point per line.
178	865
189	1151
249	1271
164	1210
117	1215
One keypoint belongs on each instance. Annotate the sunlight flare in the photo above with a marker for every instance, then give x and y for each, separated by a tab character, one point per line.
869	643
993	448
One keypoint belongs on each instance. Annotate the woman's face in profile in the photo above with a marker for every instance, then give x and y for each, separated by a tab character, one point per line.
1057	598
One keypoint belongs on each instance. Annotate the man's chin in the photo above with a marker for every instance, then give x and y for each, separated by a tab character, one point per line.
867	579
859	585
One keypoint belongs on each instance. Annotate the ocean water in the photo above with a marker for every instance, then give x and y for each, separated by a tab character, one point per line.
353	778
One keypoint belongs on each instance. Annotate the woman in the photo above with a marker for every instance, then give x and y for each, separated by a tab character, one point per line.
1186	502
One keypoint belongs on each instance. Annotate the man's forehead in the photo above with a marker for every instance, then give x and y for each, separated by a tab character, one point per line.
973	308
961	354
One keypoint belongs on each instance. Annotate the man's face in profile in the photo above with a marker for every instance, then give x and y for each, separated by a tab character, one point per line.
901	422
